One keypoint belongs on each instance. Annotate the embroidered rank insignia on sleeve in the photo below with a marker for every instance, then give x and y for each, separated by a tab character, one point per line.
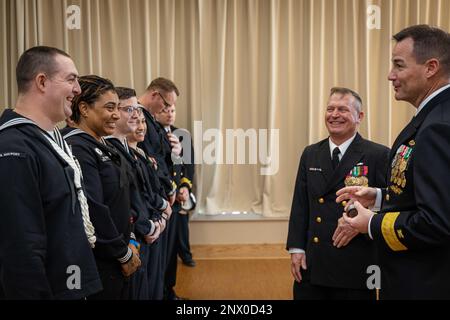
390	235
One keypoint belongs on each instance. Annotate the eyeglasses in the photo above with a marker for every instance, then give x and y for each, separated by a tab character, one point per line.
166	104
131	109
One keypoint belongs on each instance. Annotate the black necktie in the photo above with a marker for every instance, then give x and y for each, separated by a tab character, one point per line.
335	160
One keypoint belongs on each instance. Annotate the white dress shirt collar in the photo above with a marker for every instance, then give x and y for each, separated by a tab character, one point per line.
343	147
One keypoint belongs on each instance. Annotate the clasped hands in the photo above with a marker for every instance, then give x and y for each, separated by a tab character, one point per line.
348	228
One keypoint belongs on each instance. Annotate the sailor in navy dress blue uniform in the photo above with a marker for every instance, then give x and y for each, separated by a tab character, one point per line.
108	193
41	229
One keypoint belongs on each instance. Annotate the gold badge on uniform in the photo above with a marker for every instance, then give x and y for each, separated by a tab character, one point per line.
399	166
357	177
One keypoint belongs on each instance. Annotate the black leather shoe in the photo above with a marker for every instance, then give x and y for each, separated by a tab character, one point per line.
189	263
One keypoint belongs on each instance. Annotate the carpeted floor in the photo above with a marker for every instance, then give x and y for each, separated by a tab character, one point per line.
244	272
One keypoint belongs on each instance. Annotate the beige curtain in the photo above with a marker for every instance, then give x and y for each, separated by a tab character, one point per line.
261	64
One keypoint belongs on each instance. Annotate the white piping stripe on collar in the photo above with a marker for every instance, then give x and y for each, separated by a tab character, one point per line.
16	121
73	133
58	138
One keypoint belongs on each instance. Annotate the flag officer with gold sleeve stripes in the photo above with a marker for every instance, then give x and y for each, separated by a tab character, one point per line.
412	230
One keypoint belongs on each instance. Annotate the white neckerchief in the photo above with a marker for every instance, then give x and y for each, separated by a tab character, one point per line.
63	150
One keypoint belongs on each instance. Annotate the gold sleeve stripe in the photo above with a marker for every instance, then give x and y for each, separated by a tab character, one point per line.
186	180
388	231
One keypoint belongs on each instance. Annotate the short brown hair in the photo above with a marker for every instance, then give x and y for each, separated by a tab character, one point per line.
163	84
345	91
125	93
34	61
429	42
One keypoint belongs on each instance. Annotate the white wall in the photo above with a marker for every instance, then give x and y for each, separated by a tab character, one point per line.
237	231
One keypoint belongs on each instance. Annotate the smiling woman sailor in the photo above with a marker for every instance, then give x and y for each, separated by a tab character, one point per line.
95	114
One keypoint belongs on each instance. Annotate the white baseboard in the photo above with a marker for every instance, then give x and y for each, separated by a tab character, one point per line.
228	230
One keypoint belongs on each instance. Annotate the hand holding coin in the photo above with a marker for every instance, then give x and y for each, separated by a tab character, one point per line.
351	211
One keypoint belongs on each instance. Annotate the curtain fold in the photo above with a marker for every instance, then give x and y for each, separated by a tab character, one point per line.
248	65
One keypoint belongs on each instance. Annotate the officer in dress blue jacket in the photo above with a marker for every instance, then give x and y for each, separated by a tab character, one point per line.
412	231
107	182
179	222
45	232
329	260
